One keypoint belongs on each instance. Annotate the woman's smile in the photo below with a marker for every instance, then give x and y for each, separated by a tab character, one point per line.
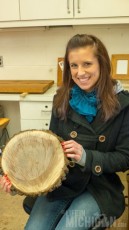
83	79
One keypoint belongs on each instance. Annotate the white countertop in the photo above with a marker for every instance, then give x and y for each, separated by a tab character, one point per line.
47	96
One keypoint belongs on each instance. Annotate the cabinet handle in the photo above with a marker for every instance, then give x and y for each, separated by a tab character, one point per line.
78	6
68	6
45	111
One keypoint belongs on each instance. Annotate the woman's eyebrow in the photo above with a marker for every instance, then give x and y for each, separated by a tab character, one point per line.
73	63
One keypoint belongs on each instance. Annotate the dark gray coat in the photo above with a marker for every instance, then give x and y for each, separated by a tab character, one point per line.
107	152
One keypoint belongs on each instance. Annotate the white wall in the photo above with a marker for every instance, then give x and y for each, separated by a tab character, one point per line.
32	54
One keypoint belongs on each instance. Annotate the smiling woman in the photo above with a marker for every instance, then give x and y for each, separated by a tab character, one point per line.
91	114
87	64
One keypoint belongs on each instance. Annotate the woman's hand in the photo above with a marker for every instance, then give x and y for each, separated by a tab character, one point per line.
72	150
5	183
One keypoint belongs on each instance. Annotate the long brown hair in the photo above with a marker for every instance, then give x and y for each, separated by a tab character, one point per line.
105	92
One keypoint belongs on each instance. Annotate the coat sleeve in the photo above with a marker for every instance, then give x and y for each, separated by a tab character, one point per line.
110	162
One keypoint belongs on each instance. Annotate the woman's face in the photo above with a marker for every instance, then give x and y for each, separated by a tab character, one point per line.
84	67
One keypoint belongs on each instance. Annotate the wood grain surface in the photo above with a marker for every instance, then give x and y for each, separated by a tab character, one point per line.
25	86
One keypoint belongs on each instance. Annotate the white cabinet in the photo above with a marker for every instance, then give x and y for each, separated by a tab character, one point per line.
9	10
34	124
30	112
66	9
35	114
101	8
39	9
29	13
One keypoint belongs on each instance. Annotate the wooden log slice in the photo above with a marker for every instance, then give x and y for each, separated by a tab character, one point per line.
34	162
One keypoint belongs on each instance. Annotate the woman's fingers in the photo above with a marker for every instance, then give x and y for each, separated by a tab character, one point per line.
2	182
74	156
72	149
5	183
74	146
8	186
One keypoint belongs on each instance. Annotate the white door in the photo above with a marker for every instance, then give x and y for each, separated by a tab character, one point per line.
9	10
49	9
101	8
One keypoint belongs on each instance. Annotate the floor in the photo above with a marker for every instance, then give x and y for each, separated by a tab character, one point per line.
12	215
121	223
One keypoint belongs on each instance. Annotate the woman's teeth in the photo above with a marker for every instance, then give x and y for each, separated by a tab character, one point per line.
83	80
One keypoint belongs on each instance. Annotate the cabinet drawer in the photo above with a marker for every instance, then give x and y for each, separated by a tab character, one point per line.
35	110
34	124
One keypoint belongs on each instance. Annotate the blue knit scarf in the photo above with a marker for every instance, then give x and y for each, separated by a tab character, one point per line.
84	103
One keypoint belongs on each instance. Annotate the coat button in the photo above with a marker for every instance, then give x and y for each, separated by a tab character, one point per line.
73	134
102	138
98	169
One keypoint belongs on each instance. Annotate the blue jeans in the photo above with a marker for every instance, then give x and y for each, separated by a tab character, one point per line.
79	213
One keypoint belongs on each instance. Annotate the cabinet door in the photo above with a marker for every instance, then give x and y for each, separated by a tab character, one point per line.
101	8
9	10
35	110
39	9
34	124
